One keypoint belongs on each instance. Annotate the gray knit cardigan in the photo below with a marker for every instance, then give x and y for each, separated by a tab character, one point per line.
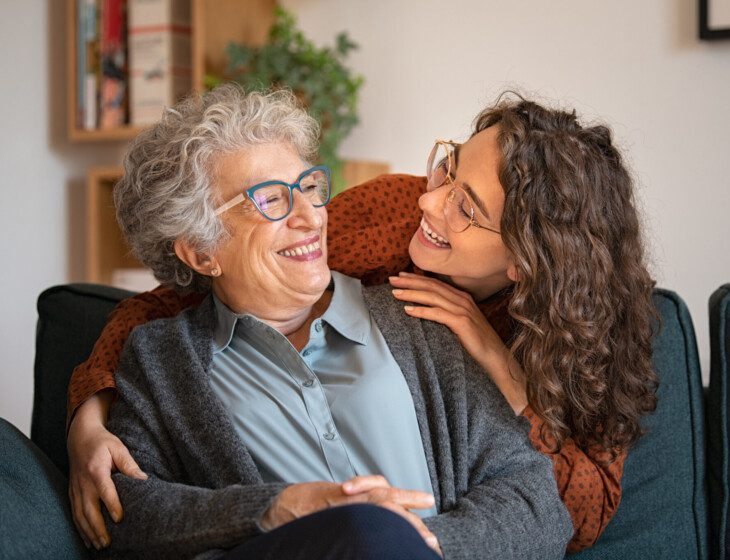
496	496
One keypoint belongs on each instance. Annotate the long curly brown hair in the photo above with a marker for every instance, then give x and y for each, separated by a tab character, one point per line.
583	302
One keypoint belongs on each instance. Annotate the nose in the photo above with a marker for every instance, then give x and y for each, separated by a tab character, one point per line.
432	202
303	212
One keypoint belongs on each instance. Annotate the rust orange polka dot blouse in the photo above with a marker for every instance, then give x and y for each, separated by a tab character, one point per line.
370	227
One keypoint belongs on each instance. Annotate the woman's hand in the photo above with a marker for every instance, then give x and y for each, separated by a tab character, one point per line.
456	309
299	500
94	453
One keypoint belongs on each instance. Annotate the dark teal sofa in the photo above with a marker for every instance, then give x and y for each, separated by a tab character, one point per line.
666	511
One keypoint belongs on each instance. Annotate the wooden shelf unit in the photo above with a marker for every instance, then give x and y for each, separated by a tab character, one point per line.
106	249
215	23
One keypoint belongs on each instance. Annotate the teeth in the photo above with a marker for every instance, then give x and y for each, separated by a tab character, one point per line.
301	251
433	236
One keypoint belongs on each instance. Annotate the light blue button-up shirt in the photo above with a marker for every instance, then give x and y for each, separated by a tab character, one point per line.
337	409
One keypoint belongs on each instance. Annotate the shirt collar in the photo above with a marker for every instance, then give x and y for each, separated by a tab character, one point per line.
346	314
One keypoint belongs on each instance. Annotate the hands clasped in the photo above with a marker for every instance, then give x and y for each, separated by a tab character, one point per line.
299	500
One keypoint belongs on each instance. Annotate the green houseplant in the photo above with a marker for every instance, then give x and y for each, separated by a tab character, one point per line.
317	76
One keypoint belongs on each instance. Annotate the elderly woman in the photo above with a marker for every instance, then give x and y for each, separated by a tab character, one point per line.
291	390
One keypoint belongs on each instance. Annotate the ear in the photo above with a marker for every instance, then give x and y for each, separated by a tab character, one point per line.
200	262
512	272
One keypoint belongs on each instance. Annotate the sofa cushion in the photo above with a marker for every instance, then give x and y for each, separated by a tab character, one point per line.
70	319
663	511
718	395
35	519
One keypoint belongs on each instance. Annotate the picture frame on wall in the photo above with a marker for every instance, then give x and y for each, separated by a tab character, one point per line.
714	19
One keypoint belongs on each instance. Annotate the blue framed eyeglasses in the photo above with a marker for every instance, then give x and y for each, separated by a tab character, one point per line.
275	199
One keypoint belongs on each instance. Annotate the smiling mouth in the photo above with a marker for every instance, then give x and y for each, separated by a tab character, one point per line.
302	250
433	237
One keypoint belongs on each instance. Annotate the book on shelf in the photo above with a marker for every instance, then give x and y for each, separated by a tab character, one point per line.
92	68
112	47
159	56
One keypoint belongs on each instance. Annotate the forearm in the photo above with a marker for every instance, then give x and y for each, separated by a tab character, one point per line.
172	520
493	520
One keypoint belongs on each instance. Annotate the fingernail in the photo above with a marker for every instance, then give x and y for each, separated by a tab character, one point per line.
397	292
432	541
408	307
347	486
391	278
116	517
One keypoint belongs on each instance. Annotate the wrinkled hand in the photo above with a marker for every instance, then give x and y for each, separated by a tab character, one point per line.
94	453
456	309
299	500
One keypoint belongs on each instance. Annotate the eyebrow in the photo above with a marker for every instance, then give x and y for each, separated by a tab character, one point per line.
475	198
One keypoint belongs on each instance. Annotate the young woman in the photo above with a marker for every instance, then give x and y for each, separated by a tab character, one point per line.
531	238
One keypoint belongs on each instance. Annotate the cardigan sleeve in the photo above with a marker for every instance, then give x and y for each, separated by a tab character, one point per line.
172	514
370	227
589	486
509	508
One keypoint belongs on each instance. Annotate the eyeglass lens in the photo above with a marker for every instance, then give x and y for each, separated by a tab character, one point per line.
439	164
458	211
274	200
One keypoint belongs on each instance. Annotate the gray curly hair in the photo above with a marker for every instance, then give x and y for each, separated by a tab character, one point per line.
165	192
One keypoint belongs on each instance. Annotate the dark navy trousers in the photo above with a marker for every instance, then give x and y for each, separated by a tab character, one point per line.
354	532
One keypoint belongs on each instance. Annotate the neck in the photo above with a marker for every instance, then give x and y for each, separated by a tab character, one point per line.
286	315
481	289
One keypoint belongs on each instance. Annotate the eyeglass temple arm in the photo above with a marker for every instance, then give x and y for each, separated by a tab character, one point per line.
230	204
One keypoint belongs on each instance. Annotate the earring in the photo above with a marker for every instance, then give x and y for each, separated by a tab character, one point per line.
215	272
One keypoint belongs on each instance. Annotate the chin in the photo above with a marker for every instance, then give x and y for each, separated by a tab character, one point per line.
419	256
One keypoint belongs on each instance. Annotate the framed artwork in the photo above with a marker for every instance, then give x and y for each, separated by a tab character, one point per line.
714	19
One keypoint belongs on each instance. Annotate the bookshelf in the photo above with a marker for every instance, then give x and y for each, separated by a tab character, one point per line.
215	23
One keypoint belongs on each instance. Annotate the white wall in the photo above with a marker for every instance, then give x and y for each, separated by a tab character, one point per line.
41	186
430	66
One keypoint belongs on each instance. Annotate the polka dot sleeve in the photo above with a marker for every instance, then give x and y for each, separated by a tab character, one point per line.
97	372
589	488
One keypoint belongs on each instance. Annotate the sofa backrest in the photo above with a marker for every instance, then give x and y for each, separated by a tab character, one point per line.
70	319
718	439
663	512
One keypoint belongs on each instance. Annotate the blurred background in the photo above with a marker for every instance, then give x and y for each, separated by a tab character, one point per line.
427	69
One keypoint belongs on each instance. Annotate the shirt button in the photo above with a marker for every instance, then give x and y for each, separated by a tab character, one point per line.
318	326
329	436
307	352
308	382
